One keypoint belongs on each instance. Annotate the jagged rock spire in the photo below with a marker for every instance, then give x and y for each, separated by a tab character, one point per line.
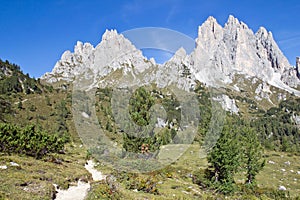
236	49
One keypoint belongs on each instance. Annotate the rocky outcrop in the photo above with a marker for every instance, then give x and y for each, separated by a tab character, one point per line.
176	71
263	91
227	103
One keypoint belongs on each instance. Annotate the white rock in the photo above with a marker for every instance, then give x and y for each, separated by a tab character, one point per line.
14	164
263	90
160	123
298	172
287	163
296	119
3	167
271	162
227	103
270	135
283	170
282	188
85	115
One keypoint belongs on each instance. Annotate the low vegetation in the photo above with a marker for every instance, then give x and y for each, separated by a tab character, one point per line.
30	141
256	153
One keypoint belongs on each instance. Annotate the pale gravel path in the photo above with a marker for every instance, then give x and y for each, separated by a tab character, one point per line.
97	175
80	191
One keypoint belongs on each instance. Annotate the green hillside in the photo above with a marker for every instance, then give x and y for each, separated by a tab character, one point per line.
38	133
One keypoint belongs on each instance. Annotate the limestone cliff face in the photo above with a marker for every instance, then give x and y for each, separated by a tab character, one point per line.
219	55
235	49
70	63
112	53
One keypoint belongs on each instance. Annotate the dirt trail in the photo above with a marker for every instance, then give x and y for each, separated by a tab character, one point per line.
80	191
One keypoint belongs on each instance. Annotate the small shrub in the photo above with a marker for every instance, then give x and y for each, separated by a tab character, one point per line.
201	178
143	183
101	190
273	193
32	108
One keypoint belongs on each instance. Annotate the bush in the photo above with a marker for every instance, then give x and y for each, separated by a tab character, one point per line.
273	193
102	190
141	182
201	178
32	108
146	184
29	141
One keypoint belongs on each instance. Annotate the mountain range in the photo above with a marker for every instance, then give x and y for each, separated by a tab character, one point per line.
220	54
231	57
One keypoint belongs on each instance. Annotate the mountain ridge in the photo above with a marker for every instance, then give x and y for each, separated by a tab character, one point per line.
219	55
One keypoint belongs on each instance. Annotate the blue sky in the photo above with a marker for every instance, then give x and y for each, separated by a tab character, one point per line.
34	33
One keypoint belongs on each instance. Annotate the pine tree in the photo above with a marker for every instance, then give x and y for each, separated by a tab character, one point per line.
224	158
253	153
139	106
140	103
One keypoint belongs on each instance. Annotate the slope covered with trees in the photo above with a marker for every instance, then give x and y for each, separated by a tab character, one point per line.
37	123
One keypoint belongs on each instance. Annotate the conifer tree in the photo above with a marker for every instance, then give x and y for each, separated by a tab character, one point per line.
225	158
252	154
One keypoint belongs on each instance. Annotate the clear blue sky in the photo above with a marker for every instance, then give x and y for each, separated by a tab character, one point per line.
34	33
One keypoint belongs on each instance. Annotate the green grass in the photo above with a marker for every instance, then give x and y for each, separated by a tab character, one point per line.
175	182
34	179
273	175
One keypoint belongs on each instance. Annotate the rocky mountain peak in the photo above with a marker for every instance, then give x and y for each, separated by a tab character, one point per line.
232	21
113	51
114	42
235	49
210	28
110	34
210	23
220	54
262	33
271	51
180	53
68	66
81	48
210	19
